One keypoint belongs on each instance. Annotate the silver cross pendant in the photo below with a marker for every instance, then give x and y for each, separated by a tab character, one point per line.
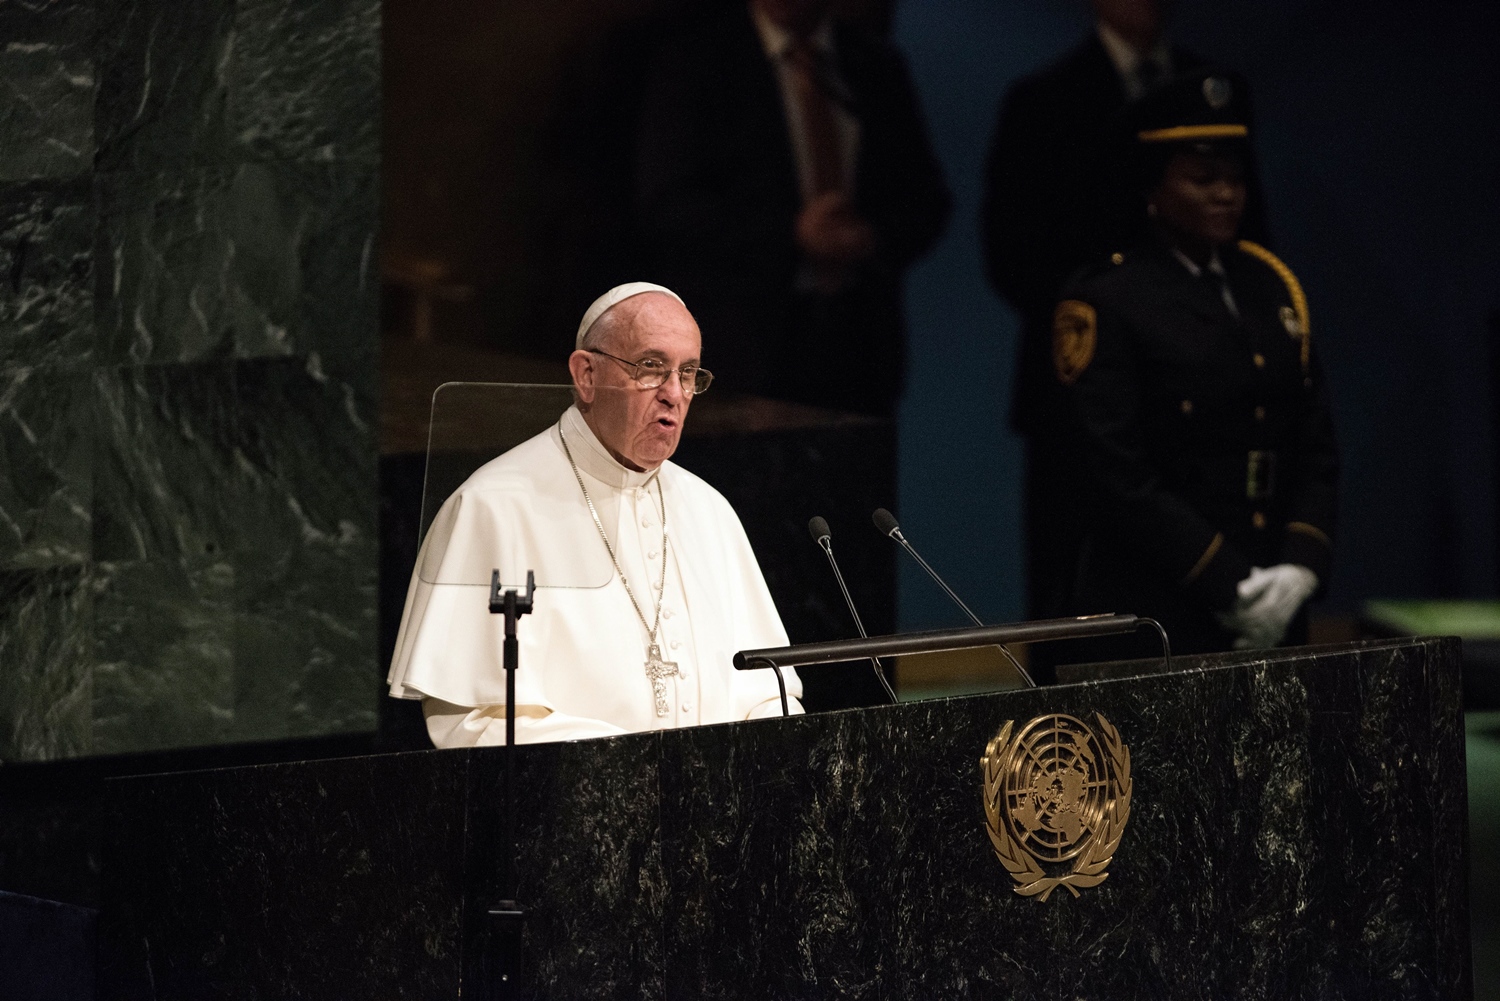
659	671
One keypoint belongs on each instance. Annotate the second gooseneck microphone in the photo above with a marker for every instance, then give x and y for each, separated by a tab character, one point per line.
818	529
886	523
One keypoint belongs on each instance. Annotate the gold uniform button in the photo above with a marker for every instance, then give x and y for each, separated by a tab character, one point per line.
1258	520
1187	406
1260	413
1117	258
1260	360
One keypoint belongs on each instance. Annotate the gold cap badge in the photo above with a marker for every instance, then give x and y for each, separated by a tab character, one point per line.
1218	92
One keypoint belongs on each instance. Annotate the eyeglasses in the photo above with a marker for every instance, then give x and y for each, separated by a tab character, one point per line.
650	373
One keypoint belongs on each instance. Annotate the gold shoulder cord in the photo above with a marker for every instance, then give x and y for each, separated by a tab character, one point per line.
1293	286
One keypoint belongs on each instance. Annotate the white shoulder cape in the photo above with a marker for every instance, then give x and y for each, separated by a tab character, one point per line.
581	651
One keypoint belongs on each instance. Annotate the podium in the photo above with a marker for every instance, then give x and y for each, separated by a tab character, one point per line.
1296	829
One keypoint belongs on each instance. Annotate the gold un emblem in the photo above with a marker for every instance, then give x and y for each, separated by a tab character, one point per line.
1056	801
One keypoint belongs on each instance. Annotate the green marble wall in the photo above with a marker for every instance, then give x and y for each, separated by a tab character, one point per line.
188	327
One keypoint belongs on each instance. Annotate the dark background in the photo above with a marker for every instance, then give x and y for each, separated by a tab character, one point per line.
1379	133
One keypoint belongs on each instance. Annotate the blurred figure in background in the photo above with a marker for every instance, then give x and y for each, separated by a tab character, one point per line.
1055	200
1194	413
785	182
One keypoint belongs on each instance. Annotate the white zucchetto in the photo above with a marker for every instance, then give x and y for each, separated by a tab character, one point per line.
614	296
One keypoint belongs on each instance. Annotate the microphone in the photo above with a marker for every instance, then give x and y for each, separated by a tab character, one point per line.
818	529
887	525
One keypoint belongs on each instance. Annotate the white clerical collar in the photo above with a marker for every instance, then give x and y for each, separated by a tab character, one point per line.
594	459
1125	57
777	41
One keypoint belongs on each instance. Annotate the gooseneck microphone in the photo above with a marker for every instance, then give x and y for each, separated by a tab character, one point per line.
818	529
887	525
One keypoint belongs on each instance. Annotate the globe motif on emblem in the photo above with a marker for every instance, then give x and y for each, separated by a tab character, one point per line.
1056	787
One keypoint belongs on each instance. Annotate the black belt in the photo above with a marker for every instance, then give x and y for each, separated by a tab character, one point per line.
1255	469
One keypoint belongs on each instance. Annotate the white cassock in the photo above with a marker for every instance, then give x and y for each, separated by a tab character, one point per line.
583	649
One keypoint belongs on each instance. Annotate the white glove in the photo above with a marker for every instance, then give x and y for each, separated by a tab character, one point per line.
1268	601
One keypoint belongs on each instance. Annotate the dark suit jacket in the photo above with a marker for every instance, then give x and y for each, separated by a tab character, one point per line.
1159	427
717	199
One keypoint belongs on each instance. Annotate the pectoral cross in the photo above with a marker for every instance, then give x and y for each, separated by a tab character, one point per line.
659	671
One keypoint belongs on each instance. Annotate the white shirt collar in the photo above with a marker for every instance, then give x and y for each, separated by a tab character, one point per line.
1215	266
594	459
776	40
1126	58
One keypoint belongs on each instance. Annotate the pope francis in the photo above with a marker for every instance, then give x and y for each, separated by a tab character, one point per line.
652	647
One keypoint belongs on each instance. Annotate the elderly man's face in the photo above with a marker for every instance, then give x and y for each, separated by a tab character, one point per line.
640	427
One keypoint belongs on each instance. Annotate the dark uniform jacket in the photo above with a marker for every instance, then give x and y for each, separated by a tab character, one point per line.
1202	443
1058	196
717	198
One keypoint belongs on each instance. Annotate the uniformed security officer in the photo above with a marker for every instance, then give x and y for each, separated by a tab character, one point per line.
1194	410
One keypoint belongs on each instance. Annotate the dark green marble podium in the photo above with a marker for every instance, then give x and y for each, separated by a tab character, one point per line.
1297	831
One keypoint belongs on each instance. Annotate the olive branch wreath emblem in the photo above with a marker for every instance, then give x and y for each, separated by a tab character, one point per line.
1089	866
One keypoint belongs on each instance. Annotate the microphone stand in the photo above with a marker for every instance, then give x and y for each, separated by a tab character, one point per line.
507	916
886	524
819	529
901	540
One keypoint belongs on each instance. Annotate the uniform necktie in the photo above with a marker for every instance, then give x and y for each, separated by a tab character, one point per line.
819	129
1222	284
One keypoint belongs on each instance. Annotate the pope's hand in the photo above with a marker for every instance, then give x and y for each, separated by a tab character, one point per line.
1268	599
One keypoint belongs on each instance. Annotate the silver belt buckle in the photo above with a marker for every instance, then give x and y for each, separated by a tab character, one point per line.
1260	474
